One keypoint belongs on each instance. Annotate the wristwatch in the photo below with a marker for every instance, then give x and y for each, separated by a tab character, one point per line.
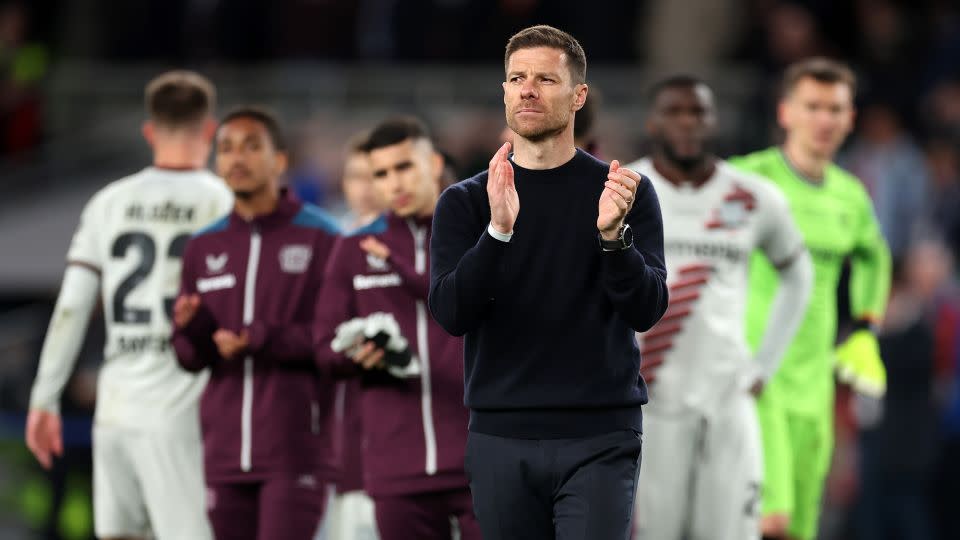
624	240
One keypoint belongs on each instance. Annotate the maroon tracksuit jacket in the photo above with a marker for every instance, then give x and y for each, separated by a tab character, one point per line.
261	413
414	430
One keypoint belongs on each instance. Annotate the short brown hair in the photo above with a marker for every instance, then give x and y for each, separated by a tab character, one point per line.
548	36
820	69
179	99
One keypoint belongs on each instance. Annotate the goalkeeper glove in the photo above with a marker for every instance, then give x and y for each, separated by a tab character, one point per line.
858	364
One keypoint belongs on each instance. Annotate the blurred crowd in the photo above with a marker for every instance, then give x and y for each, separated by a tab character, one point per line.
896	472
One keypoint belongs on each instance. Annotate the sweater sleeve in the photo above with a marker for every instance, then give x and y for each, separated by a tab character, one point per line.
464	263
635	279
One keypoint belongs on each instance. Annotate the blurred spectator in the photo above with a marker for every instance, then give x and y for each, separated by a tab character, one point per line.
943	162
22	66
668	25
361	197
887	50
942	109
894	172
896	479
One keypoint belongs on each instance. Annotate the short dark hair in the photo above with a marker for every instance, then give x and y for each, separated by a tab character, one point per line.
394	131
681	80
819	68
179	99
548	36
263	116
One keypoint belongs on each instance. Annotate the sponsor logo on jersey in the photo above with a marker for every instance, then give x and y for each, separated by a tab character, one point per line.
143	343
216	263
295	259
377	264
226	281
362	283
706	250
307	481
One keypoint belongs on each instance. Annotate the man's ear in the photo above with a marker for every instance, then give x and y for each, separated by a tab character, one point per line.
580	96
438	162
147	129
209	128
283	161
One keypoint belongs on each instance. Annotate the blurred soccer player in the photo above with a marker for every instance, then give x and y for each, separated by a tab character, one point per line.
363	201
836	218
414	425
351	514
701	479
248	290
146	438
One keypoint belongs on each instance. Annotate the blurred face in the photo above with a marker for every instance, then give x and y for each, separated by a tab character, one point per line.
817	116
539	95
682	122
247	159
358	189
407	176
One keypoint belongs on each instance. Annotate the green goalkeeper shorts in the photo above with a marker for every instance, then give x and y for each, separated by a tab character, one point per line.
797	451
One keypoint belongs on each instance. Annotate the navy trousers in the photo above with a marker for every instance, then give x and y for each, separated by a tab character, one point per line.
554	489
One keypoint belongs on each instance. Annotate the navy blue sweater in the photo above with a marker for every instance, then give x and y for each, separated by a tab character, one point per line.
549	317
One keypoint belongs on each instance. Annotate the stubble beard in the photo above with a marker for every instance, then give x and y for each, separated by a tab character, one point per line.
551	126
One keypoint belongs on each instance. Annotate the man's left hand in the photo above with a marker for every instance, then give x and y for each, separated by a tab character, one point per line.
859	364
617	198
230	344
375	247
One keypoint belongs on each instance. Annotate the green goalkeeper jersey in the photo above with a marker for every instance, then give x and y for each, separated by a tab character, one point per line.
837	221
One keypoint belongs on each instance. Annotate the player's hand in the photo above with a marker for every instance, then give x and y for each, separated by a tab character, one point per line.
44	436
375	247
368	356
502	192
230	344
859	364
775	525
617	198
185	309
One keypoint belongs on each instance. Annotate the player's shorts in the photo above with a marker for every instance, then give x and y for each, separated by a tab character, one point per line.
148	482
287	506
351	517
797	450
701	475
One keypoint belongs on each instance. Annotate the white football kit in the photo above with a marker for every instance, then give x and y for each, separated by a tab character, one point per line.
147	452
702	465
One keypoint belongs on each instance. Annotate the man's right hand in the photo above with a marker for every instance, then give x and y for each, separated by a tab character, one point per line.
44	436
184	309
502	192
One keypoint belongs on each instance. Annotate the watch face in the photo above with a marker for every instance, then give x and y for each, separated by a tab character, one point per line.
627	235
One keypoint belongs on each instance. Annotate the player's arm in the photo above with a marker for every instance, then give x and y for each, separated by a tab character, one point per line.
783	246
464	263
292	343
335	305
68	326
194	324
858	358
416	284
635	279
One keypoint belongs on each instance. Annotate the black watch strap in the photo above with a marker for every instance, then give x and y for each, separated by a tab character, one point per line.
624	240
